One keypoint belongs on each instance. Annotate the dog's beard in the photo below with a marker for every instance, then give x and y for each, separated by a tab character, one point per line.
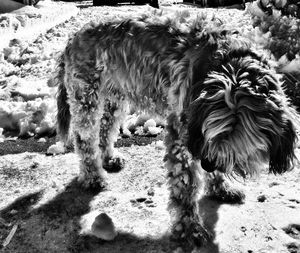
239	148
239	124
233	137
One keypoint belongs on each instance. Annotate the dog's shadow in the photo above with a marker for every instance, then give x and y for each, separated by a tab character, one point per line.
55	226
209	212
50	226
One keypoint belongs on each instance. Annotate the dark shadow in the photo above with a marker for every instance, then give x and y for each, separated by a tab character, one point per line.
124	243
84	5
21	145
20	208
16	146
54	226
209	210
72	202
57	220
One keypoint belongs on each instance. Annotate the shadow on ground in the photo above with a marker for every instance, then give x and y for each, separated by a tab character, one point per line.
54	226
16	146
209	209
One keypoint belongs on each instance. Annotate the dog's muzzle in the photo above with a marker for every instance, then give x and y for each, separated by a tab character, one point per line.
210	166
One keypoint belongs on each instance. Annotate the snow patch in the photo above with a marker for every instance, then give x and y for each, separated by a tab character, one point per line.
57	148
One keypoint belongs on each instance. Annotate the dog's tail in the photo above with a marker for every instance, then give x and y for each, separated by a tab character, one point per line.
63	116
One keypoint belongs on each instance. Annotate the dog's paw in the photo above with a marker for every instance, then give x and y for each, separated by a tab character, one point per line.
190	235
114	164
227	194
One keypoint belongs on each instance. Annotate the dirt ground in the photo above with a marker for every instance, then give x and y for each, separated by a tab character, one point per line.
41	201
40	195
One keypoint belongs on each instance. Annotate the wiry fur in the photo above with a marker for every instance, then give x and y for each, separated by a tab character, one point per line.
227	111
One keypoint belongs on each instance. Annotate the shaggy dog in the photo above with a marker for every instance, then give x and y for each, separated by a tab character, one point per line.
227	112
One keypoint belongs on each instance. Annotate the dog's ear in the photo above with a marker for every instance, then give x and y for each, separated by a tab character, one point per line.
282	149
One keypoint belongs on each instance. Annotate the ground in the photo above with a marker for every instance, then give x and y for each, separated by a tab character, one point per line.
41	201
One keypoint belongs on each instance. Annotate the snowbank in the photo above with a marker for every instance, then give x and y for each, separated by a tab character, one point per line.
28	22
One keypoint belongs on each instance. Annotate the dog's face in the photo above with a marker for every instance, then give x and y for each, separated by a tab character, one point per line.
241	118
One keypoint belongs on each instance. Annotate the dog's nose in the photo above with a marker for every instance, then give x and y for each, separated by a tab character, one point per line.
207	165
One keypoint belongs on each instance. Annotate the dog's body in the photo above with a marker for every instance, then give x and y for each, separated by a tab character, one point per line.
225	104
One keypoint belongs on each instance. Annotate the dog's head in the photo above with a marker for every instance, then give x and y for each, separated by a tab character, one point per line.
241	118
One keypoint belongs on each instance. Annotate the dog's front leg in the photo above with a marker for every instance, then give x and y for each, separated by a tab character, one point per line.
86	107
185	186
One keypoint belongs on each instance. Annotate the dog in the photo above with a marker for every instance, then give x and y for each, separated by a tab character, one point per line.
227	113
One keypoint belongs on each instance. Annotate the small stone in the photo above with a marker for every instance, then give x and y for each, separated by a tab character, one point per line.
243	229
261	198
141	199
151	192
149	201
54	185
42	140
273	184
13	211
104	228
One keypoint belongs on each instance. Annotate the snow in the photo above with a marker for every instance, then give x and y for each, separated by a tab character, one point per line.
57	148
293	66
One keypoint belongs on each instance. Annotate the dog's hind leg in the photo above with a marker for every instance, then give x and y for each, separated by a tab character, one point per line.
86	107
185	185
113	116
217	188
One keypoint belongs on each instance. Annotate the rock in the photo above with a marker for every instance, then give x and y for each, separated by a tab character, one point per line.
151	192
141	199
54	184
149	201
243	229
261	198
273	184
104	228
13	211
42	140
